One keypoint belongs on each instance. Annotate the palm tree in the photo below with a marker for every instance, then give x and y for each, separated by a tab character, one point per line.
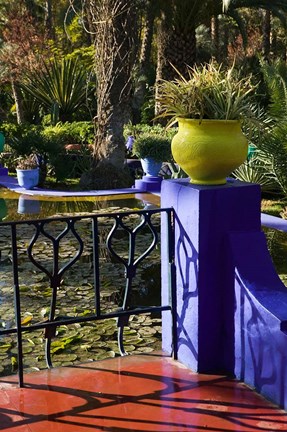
176	35
144	65
176	41
49	18
179	20
116	45
276	8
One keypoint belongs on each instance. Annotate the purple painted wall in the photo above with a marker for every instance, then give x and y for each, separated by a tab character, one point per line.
231	304
148	184
260	318
204	217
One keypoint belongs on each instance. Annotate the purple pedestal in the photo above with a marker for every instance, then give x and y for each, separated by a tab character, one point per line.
149	184
204	216
3	171
231	304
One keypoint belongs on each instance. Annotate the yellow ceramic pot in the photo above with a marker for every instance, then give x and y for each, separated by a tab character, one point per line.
209	150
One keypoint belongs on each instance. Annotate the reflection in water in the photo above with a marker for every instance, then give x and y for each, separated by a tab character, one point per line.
15	207
76	295
28	205
3	209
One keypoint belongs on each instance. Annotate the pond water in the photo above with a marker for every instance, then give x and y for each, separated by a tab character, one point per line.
94	340
14	207
78	342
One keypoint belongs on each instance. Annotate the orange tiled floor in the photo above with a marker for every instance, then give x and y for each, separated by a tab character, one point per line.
136	393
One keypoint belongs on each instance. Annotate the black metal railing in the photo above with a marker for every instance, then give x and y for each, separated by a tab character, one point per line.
137	233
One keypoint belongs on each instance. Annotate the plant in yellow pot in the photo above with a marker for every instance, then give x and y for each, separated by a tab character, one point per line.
209	107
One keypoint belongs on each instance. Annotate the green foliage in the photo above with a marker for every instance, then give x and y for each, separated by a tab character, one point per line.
64	133
271	138
31	107
75	31
259	171
11	129
61	88
61	166
72	133
151	145
273	149
175	171
33	140
275	77
85	55
50	143
209	92
137	130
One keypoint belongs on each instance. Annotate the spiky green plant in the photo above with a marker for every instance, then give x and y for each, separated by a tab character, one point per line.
61	88
210	92
258	171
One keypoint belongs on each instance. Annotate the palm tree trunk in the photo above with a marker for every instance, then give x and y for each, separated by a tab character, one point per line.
18	102
176	48
214	31
144	63
266	30
116	47
49	19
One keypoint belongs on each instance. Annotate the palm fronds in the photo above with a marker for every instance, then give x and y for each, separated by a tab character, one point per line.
257	171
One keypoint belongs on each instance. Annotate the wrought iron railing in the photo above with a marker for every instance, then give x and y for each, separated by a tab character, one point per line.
123	227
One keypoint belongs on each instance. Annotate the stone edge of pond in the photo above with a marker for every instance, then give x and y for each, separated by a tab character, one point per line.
12	184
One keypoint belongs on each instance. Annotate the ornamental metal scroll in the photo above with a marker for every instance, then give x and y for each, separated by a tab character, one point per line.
131	264
130	259
56	274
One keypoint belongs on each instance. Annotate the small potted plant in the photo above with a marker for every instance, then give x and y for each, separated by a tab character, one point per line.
209	107
28	171
153	150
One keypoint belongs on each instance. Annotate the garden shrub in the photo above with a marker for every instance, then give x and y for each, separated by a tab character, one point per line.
72	133
136	130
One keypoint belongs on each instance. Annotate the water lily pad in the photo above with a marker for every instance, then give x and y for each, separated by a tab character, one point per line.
65	357
145	349
147	331
105	355
5	347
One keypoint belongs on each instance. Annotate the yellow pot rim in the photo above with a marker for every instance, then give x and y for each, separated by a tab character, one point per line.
199	121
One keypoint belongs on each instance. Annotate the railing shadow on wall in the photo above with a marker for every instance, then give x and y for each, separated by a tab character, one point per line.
261	314
187	269
128	238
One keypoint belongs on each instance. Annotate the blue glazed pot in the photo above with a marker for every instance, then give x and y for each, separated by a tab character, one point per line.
151	167
28	178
